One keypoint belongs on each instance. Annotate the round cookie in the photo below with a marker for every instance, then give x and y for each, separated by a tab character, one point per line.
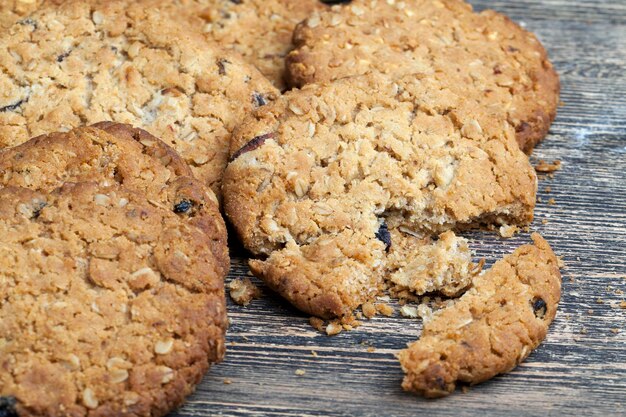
259	30
484	56
321	180
113	153
112	306
84	62
491	329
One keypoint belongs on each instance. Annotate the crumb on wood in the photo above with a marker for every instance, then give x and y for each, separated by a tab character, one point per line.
314	354
384	309
243	291
544	221
623	305
369	310
409	311
615	331
546	167
619	292
600	301
552	202
371	349
227	381
317	323
334	328
548	189
507	231
560	262
583	330
300	372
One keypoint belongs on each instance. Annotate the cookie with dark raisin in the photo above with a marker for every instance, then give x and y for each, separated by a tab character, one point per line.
114	153
485	55
113	305
345	166
259	30
491	329
132	63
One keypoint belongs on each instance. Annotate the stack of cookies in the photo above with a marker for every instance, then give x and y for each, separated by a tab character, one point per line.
346	144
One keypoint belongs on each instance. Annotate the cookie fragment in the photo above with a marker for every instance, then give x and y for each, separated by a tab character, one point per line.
243	291
310	204
491	328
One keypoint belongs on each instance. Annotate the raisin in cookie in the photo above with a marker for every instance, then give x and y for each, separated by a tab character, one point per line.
492	328
322	178
259	30
484	55
84	62
112	306
113	153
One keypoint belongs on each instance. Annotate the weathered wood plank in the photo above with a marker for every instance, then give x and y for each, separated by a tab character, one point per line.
579	370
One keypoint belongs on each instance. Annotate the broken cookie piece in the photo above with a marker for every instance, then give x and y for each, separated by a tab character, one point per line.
353	167
444	266
491	329
243	291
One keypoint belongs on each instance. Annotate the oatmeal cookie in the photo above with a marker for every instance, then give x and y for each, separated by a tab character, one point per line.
113	153
485	56
112	306
492	328
259	30
85	62
12	11
322	178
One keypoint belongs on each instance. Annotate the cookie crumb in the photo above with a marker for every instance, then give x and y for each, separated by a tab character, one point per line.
385	309
623	305
548	190
615	331
314	354
300	372
583	330
544	221
546	167
317	323
227	381
333	328
369	310
552	202
507	231
600	301
371	349
409	311
243	291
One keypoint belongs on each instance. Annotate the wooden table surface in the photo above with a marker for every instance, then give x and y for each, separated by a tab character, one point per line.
581	367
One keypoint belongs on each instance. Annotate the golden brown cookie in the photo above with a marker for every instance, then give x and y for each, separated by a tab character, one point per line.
491	329
84	62
322	178
259	30
13	10
131	230
484	56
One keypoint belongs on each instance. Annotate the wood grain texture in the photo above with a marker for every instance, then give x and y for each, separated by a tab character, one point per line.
579	370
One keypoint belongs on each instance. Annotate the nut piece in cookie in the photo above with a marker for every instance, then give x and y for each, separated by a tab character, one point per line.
484	56
348	165
491	329
127	62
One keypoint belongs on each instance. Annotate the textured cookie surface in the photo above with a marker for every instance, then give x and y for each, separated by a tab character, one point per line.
322	179
111	305
260	30
484	55
492	328
13	10
123	61
112	153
